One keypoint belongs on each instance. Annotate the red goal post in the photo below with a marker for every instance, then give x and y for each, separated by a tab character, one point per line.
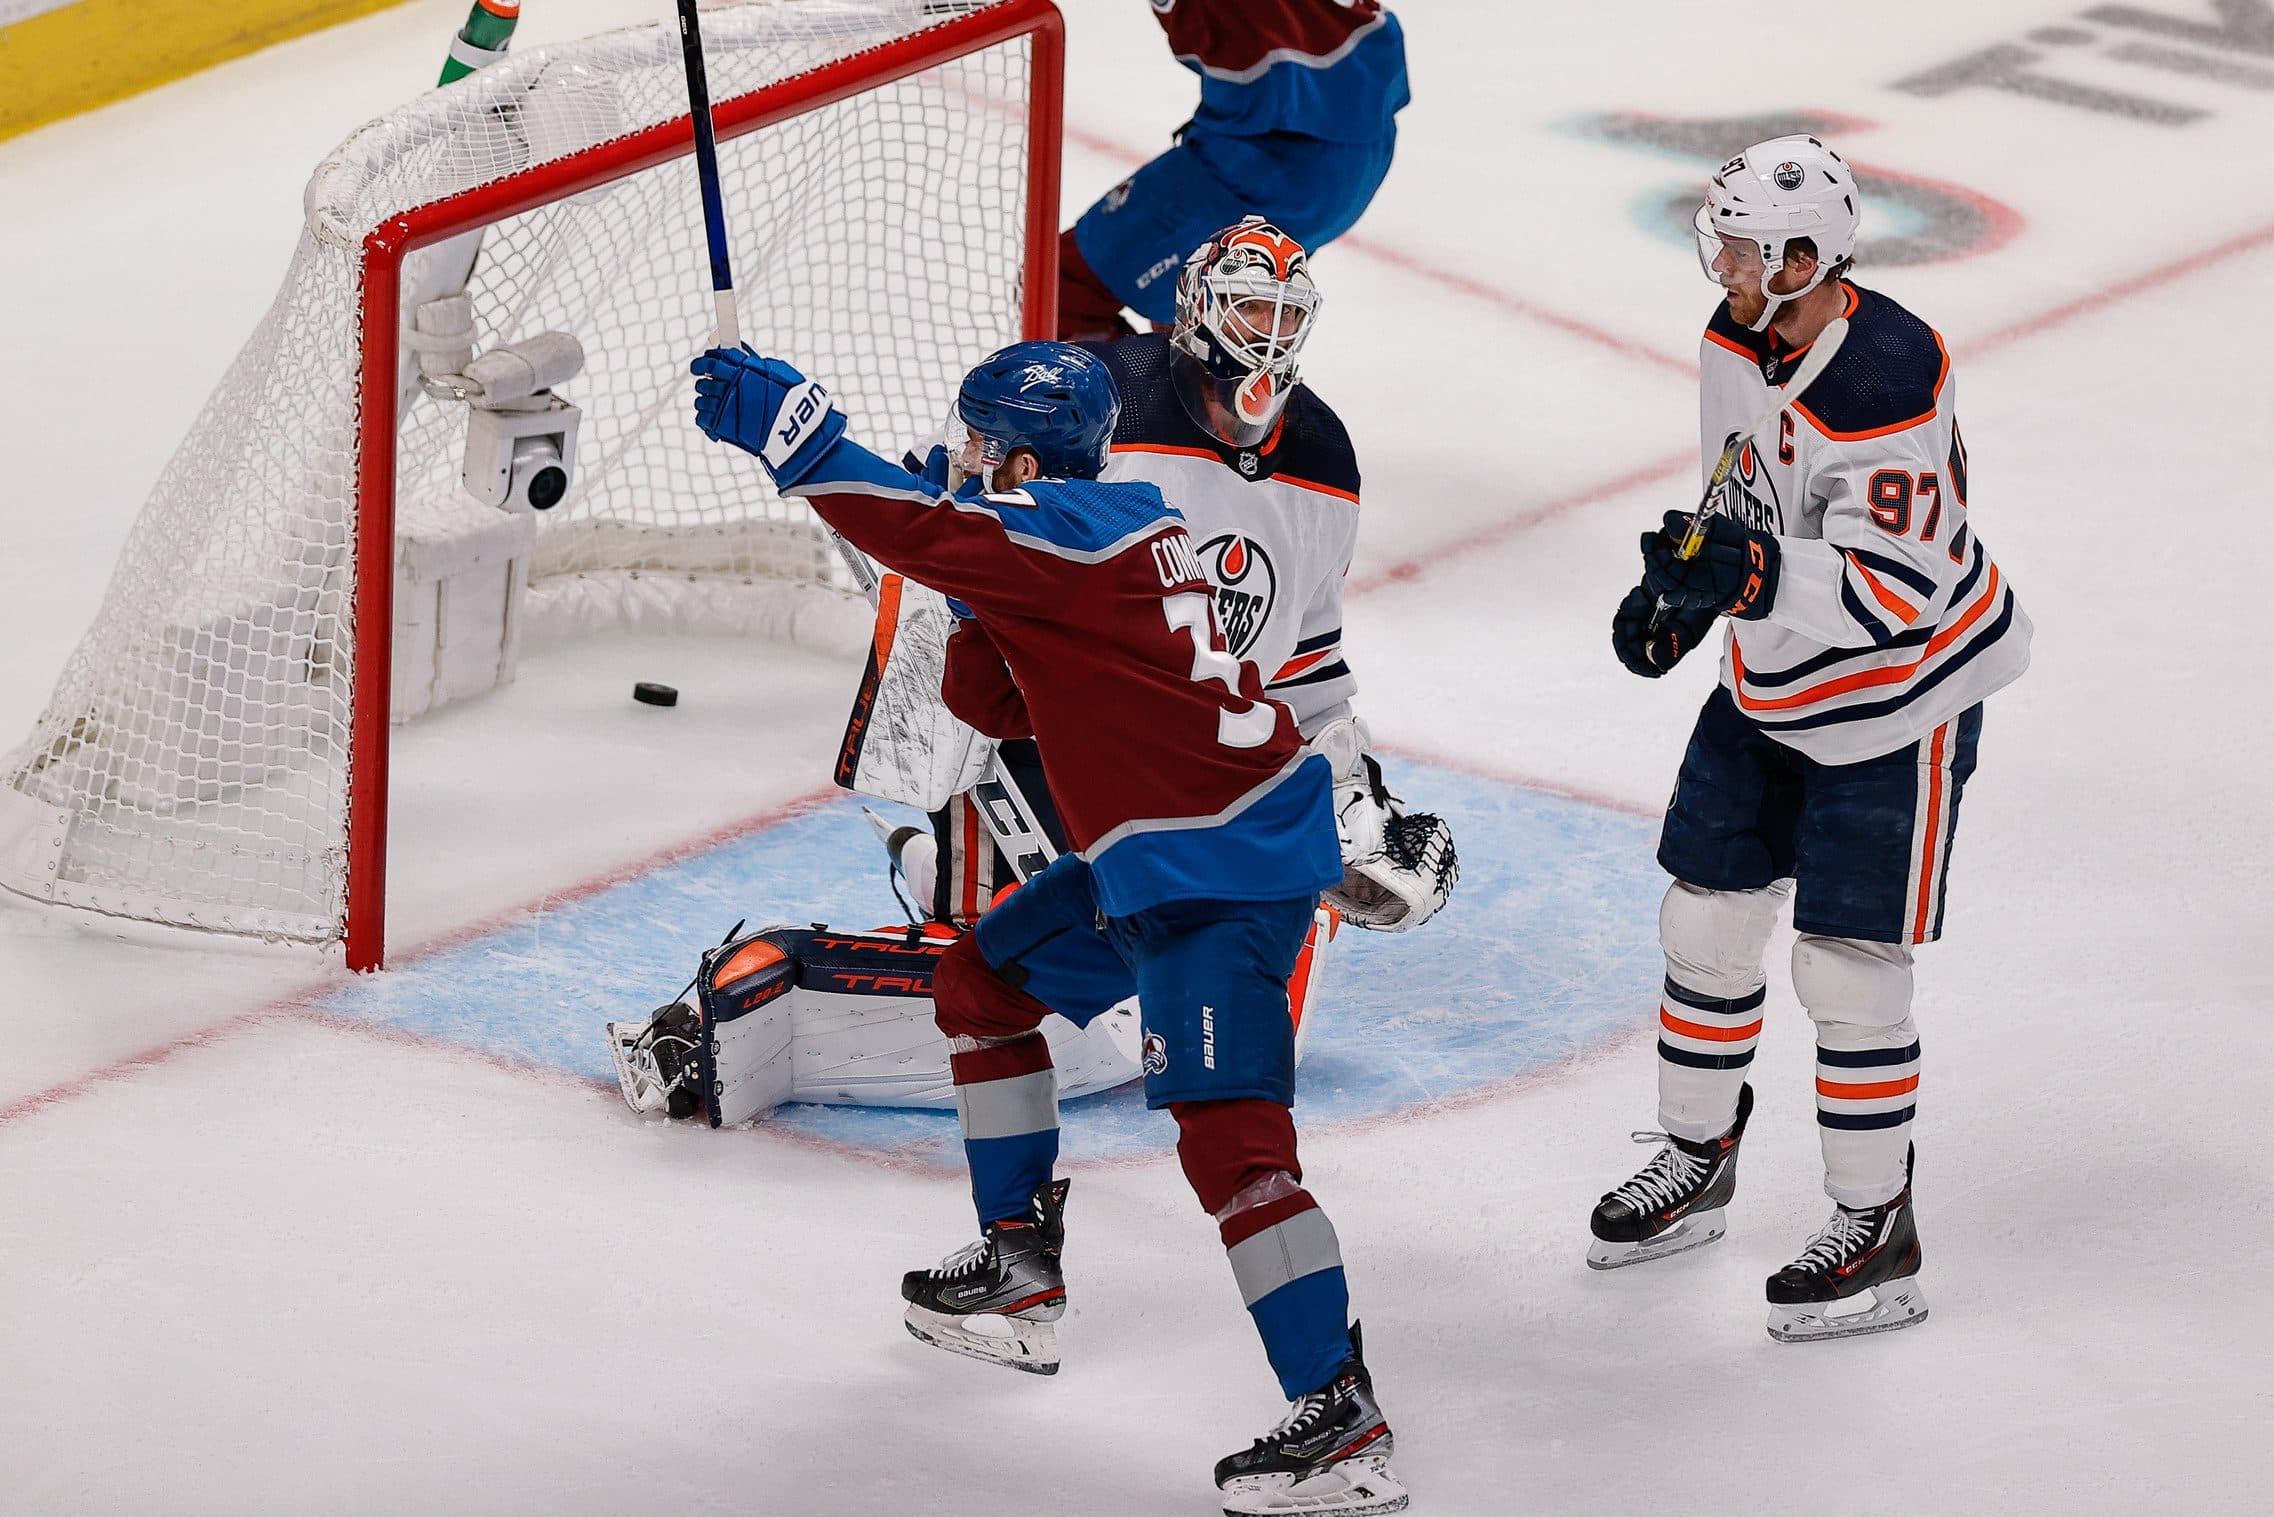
384	249
215	754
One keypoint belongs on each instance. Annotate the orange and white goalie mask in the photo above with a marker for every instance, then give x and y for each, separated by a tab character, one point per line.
1245	305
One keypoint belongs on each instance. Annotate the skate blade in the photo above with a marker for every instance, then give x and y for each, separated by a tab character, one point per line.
642	1090
1352	1488
1894	1304
1021	1345
1694	1231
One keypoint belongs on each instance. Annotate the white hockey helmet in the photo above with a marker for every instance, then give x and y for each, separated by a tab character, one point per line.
1773	192
1245	305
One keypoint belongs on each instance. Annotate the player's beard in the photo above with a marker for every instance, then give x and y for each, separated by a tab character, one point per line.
1745	303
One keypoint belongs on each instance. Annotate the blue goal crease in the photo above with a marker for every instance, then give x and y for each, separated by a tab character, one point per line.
1547	950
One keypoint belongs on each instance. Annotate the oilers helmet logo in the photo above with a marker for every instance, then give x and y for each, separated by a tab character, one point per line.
1789	176
1247	587
1156	1054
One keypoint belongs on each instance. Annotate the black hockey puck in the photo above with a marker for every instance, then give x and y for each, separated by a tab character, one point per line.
649	693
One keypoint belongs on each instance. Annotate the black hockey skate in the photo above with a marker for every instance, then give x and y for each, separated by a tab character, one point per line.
1331	1454
1859	1275
656	1061
1677	1201
997	1298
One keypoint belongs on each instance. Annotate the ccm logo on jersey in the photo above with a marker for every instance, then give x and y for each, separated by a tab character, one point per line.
802	408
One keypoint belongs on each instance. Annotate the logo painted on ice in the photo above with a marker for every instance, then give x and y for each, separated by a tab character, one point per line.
1247	587
1156	1059
1789	176
1040	374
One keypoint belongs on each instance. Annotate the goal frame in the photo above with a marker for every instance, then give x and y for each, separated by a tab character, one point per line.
385	248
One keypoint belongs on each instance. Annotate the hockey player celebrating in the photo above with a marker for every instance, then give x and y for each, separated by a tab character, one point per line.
1297	119
1867	622
1204	835
1215	412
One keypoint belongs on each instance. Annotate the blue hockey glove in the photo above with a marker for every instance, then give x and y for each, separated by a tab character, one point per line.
931	469
765	407
1735	573
1649	653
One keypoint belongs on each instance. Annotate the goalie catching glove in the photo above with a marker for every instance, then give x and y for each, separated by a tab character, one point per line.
1398	868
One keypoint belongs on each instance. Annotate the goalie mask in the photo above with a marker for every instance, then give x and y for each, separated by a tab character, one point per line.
1245	306
1768	195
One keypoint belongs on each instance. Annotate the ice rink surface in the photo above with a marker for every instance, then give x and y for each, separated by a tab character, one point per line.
261	1254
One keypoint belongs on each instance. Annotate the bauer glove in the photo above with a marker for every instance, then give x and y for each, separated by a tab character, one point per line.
1649	653
1735	572
765	407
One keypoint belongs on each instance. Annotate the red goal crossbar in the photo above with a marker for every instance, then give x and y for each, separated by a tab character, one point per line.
385	248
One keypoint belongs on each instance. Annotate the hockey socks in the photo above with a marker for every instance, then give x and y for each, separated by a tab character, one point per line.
1006	1097
1239	1157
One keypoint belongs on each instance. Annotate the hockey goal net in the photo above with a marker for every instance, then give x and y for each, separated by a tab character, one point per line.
214	755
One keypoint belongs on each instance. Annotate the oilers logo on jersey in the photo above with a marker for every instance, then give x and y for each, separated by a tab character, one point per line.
1247	587
1750	496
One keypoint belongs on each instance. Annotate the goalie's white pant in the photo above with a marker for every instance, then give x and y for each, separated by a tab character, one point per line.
1857	993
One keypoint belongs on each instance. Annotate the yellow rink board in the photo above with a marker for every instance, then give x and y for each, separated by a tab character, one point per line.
60	59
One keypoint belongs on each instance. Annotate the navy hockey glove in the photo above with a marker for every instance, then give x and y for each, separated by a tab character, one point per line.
1649	653
1735	572
765	407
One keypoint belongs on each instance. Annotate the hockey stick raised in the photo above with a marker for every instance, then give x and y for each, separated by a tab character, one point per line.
1009	816
1821	352
726	330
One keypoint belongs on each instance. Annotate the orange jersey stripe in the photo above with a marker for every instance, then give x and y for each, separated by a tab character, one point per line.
1933	836
1903	609
1675	1024
1893	674
1295	666
1866	1092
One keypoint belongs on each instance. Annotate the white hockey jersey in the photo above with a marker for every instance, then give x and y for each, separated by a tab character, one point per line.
1275	524
1890	616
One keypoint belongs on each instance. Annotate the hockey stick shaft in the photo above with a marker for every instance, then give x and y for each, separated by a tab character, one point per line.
726	330
1821	352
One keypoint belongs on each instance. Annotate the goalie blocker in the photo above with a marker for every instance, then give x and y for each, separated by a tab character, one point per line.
845	1019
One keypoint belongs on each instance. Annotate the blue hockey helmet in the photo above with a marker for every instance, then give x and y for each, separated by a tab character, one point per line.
1052	398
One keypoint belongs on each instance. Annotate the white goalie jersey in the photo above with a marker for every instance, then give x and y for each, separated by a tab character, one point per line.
1275	524
1890	616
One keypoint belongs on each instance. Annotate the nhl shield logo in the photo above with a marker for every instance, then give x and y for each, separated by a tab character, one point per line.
1789	176
1156	1056
1247	587
1249	463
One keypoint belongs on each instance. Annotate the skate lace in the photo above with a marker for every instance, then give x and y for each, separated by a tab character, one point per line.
964	1260
1841	1237
1661	1181
1305	1414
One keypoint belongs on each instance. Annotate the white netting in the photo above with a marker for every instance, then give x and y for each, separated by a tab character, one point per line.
192	765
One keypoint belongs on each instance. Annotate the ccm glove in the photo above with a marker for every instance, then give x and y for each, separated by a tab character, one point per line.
765	407
1649	653
1734	574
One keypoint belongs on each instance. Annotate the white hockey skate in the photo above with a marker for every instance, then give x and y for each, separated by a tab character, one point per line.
655	1060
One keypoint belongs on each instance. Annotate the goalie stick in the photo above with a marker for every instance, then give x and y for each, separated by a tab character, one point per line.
1821	352
1003	807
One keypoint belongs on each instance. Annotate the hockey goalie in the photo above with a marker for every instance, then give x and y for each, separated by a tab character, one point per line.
1215	413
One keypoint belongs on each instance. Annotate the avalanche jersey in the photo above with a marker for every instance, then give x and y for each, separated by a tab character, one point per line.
1175	775
1274	525
1331	69
1890	616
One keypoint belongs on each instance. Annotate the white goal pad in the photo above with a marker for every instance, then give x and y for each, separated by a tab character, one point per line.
213	755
